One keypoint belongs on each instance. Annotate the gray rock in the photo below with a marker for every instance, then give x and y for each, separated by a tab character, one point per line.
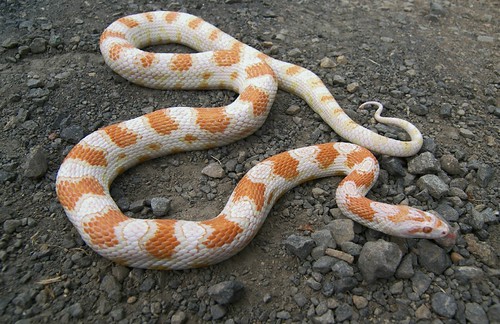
464	274
490	215
73	133
226	292
352	87
11	225
342	269
323	238
6	176
379	259
300	299
423	164
444	304
432	257
445	110
449	213
420	282
351	248
178	318
342	230
419	109
343	312
117	314
405	269
397	287
10	42
313	284
436	8
494	313
147	284
160	206
300	246
345	284
323	264
474	313
36	164
214	170
393	165
466	133
218	311
326	318
283	315
136	206
436	187
475	219
38	45
451	165
112	287
484	175
338	79
293	110
34	83
75	310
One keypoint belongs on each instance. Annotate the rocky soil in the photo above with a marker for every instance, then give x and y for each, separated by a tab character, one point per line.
433	63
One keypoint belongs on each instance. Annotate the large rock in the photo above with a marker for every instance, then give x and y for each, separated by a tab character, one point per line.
379	259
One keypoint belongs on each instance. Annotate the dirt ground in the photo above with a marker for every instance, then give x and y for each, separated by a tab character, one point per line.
434	63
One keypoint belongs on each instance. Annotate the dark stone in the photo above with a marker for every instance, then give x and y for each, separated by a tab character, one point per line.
300	246
432	257
444	304
379	259
226	292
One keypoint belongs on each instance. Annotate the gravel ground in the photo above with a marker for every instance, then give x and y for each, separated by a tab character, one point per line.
433	63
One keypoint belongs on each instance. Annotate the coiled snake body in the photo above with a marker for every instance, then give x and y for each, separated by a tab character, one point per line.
223	63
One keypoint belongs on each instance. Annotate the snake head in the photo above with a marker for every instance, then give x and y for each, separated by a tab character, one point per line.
428	225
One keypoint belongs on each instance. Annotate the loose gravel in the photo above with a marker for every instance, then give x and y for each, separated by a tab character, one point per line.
434	63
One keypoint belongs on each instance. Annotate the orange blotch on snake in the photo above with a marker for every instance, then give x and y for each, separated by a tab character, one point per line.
327	98
253	190
206	75
109	34
361	178
234	75
149	16
402	215
162	245
213	120
190	138
121	136
214	34
170	17
161	122
114	51
361	207
181	62
285	165
101	229
358	156
257	97
224	231
147	59
293	70
259	69
91	155
154	146
195	23
326	155
69	192
129	22
226	57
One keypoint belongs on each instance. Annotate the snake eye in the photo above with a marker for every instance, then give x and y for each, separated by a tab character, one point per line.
427	229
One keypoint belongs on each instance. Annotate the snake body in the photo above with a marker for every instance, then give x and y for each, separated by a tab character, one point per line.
88	170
